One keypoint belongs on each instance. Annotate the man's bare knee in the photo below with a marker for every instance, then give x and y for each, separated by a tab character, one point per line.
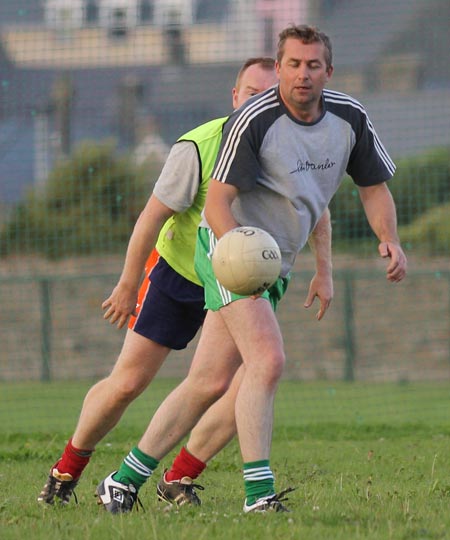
124	389
208	388
268	369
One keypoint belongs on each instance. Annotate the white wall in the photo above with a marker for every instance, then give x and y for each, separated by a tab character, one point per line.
174	11
66	14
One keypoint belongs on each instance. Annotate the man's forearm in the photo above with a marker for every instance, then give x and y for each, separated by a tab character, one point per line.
143	240
218	207
380	210
320	243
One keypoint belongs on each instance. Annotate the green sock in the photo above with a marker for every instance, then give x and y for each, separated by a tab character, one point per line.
136	468
258	480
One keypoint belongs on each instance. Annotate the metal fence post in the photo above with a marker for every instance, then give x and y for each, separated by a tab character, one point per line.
46	329
349	372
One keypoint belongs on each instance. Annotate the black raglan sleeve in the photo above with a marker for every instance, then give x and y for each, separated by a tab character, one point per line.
369	162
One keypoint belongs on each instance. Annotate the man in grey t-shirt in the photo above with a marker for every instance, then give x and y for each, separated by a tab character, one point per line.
281	160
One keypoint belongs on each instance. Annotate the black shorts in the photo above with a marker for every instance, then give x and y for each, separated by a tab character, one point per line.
170	308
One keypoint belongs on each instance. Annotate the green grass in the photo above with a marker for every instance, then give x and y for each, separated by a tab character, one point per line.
368	461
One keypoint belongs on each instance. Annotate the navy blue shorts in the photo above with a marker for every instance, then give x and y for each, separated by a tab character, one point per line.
170	308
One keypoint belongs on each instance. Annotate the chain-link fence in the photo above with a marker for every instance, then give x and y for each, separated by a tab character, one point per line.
92	96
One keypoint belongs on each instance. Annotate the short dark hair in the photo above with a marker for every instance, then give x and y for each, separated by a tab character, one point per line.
266	62
306	34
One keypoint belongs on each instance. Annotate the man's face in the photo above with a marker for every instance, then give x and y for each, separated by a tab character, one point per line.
303	74
253	81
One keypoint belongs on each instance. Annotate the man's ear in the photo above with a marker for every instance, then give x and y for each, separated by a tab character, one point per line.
277	68
330	71
234	97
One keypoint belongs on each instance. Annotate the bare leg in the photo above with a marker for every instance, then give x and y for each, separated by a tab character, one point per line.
217	427
255	329
213	366
106	401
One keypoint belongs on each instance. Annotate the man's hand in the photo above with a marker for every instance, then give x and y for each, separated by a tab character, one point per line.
398	264
321	286
120	305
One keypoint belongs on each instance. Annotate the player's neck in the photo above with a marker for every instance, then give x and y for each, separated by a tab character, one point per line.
305	112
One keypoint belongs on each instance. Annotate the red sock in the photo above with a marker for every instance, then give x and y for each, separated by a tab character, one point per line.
185	464
73	460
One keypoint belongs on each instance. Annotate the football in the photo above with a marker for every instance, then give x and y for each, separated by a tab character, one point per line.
246	260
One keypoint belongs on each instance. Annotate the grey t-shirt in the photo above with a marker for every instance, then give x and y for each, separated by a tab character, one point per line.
287	171
178	181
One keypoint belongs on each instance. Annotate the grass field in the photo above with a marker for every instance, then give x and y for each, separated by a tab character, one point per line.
367	461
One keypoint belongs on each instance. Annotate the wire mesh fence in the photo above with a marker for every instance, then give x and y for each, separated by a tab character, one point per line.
92	96
52	329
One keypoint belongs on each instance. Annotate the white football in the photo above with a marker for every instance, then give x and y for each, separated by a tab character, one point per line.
246	260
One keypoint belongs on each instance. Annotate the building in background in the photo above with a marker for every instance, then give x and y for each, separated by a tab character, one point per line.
152	69
273	15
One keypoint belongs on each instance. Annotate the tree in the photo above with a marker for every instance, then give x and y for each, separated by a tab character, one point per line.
88	205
